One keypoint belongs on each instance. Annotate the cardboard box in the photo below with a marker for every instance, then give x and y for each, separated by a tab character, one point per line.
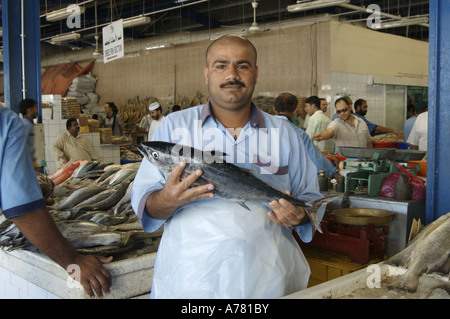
105	135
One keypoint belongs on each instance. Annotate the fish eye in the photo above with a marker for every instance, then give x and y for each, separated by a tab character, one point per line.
155	155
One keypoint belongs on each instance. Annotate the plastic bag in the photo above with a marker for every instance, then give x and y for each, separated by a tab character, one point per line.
419	189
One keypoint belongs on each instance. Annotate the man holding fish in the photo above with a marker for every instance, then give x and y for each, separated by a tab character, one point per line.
214	247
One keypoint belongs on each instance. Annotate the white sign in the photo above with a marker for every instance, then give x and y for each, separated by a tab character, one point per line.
113	41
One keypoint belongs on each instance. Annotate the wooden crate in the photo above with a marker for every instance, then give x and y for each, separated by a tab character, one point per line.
105	135
326	264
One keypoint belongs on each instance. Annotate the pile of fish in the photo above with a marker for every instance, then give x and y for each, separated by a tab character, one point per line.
92	209
428	252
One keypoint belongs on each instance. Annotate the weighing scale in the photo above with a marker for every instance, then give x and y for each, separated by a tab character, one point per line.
367	167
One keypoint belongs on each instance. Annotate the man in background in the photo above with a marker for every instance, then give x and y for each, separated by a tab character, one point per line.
157	116
29	110
347	130
317	123
285	107
419	108
144	124
70	146
323	105
361	108
418	139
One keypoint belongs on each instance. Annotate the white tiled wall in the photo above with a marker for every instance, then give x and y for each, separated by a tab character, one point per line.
56	126
359	86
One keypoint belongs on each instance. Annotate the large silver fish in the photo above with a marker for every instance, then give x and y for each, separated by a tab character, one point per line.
230	182
429	251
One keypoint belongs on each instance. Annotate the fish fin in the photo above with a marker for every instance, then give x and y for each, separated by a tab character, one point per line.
250	171
313	207
242	203
125	237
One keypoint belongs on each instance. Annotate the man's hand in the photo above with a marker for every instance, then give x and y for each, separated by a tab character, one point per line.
94	277
286	214
176	193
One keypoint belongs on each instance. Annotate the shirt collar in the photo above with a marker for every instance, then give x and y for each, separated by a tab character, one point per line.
68	134
284	115
257	119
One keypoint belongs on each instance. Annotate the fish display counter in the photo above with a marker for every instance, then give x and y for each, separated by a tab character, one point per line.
25	274
90	204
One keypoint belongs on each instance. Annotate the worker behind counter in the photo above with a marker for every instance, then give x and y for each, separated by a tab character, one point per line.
347	129
113	119
214	248
21	201
285	108
70	146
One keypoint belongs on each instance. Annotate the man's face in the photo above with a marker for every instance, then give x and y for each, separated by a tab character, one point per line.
231	74
343	110
34	111
363	109
155	114
309	109
74	129
324	105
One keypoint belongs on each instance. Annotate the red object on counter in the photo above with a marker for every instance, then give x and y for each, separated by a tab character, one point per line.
385	144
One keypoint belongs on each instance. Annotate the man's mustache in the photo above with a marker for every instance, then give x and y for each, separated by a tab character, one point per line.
231	83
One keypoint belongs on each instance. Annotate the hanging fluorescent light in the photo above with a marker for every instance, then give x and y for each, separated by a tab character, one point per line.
158	46
65	37
308	4
64	13
133	22
399	23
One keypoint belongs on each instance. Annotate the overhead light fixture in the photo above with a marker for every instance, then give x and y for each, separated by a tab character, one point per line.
314	4
133	22
65	37
399	23
64	13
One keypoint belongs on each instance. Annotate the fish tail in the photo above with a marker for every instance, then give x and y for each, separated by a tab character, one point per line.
313	207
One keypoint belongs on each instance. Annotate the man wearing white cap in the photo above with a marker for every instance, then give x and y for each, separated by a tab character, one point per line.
157	116
144	124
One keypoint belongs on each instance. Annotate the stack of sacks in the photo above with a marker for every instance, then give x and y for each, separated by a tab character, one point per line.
83	89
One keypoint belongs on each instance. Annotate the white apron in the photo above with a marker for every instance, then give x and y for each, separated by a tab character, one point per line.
214	248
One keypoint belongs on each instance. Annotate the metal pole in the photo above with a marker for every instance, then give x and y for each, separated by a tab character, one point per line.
438	168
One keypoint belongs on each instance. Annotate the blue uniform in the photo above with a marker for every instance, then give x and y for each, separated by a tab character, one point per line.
20	192
214	248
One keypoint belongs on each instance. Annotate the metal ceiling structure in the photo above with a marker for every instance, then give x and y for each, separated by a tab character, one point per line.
168	17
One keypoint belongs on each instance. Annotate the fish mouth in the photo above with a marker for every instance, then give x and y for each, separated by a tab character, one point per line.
232	85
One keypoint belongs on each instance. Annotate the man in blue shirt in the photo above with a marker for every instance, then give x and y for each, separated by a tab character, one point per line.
21	201
211	247
361	111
